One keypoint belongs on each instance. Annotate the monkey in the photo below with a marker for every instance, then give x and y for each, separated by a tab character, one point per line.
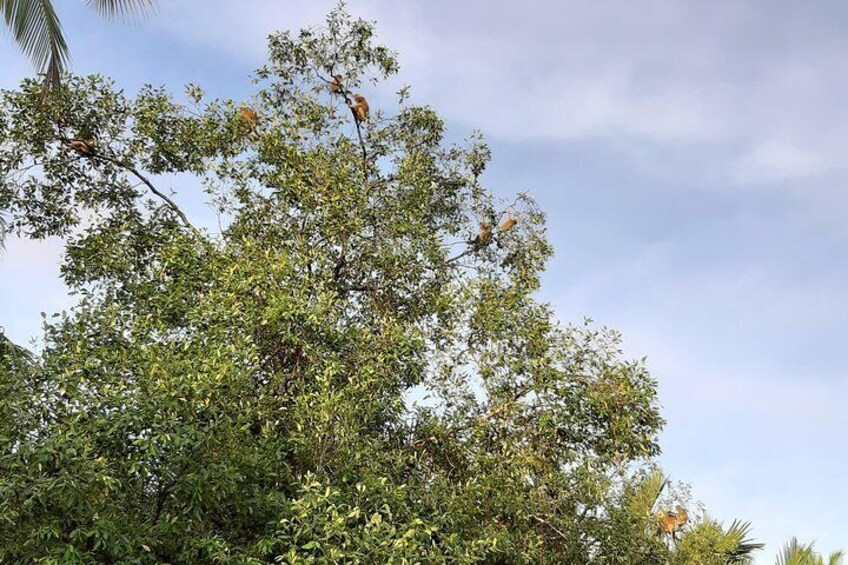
682	516
484	235
336	86
667	521
249	115
508	223
82	146
671	522
360	109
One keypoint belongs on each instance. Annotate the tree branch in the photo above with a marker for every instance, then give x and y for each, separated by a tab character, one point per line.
499	408
346	94
551	526
95	154
468	251
129	168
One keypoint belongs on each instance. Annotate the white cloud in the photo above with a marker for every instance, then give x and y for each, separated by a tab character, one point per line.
774	162
237	29
726	80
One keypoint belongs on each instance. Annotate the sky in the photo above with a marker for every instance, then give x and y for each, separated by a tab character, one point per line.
691	160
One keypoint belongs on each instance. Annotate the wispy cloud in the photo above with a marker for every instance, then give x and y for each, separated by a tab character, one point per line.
755	88
775	162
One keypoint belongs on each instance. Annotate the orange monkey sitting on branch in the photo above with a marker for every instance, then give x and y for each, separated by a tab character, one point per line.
360	109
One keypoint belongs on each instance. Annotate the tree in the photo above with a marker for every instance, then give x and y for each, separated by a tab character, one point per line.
351	371
36	29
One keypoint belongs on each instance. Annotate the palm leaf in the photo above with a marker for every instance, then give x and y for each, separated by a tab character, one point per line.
116	9
646	493
794	553
836	558
745	546
36	29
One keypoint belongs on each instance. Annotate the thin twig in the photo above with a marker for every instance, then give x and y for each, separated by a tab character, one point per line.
551	526
153	189
499	408
468	251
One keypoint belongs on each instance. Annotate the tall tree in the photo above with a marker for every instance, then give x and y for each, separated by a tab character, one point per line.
35	27
354	370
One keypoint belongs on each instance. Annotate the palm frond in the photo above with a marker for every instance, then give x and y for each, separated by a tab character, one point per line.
643	499
122	9
794	553
745	546
836	558
797	553
36	29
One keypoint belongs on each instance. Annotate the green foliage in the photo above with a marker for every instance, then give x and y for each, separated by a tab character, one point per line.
630	532
796	553
246	396
709	543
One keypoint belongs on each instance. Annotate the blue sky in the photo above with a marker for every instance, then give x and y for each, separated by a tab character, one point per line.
691	159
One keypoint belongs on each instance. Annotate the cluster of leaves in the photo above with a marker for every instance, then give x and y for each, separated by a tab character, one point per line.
246	396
